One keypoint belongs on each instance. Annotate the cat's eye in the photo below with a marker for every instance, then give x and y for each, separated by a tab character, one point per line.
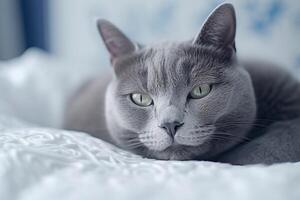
200	91
141	99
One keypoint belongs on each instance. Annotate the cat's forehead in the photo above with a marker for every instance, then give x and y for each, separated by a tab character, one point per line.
179	57
166	66
170	66
166	54
171	62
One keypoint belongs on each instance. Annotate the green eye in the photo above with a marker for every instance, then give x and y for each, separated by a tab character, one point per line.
200	91
141	99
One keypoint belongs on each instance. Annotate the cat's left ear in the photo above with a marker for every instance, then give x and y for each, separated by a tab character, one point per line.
219	28
116	42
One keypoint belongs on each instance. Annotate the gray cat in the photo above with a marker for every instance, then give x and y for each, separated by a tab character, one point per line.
192	100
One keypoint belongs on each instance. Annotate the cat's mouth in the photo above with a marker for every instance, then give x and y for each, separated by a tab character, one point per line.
185	149
175	146
177	152
181	146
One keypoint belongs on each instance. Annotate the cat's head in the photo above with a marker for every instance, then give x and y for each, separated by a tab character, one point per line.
179	100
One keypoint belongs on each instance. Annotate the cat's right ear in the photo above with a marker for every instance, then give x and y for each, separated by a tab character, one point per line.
115	41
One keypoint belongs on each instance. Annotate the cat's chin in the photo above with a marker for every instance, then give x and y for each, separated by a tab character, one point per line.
177	152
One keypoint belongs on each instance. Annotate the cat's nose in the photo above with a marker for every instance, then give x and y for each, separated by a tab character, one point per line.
171	127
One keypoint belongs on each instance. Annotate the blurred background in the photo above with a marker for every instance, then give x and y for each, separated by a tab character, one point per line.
66	33
266	28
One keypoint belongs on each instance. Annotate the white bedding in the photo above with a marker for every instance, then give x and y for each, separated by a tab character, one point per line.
43	163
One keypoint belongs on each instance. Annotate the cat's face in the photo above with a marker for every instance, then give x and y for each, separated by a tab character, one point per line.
178	100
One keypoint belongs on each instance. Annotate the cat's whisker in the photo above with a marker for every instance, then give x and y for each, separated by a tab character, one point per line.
266	120
134	145
260	121
231	136
204	126
224	138
220	125
132	140
128	136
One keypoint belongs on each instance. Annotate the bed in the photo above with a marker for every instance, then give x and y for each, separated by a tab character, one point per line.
38	160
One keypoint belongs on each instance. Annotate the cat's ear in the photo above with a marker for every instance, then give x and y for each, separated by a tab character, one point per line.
116	42
219	28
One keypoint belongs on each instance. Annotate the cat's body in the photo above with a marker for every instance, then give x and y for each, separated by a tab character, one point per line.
275	135
191	100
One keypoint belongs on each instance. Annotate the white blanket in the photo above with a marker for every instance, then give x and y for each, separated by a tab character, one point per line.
52	164
43	163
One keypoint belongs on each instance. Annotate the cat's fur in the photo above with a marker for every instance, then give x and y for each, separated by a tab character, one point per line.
251	115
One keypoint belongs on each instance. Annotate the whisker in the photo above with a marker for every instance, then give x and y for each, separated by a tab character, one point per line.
129	136
259	121
240	123
134	145
233	136
225	138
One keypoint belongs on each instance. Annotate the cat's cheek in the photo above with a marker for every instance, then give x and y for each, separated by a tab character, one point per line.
132	117
201	112
208	109
156	140
187	140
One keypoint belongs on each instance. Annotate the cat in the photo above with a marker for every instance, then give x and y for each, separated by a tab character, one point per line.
191	100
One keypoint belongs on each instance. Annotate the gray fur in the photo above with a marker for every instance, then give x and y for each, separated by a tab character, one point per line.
252	108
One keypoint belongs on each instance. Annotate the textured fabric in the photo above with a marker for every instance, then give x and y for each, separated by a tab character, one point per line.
52	164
